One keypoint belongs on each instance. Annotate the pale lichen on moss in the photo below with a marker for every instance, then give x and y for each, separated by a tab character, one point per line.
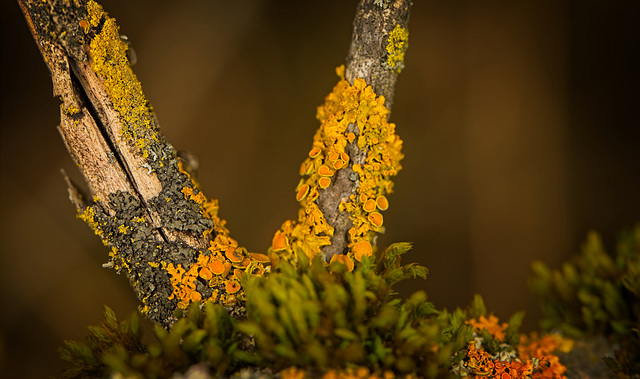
398	41
347	104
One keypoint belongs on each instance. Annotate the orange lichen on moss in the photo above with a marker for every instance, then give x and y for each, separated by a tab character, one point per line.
534	357
478	363
541	349
491	324
356	105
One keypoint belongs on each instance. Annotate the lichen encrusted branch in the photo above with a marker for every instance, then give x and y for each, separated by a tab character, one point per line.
355	152
163	232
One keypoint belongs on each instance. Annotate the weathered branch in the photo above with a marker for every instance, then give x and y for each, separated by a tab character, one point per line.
164	234
378	44
355	152
376	55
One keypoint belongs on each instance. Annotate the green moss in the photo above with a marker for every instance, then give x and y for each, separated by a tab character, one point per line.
596	293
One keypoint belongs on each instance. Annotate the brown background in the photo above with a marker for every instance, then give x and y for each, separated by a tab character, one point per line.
520	122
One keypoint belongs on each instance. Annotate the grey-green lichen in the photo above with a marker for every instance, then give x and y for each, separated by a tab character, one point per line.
134	243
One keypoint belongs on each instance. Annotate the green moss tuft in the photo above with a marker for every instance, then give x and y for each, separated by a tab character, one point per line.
596	294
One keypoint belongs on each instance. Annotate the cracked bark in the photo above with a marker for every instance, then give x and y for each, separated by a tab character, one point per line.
367	59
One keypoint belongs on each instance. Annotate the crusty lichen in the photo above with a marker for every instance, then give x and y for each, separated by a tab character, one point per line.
398	42
347	104
109	60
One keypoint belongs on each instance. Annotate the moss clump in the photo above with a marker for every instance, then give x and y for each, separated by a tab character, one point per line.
594	294
316	317
320	320
207	334
323	317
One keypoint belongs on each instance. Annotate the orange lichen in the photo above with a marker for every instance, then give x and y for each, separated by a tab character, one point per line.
232	286
479	363
260	257
314	152
351	114
324	182
369	205
542	350
302	192
216	266
362	249
375	218
324	170
195	296
382	203
344	259
292	373
108	58
491	324
338	164
279	241
233	255
205	273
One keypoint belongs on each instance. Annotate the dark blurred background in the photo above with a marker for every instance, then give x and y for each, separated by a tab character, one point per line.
520	122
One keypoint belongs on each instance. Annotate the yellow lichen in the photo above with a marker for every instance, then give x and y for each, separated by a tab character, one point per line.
109	60
94	12
70	110
398	42
88	216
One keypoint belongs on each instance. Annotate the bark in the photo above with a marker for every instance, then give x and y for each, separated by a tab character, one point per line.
368	59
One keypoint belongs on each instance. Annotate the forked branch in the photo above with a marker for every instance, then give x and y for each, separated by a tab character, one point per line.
164	234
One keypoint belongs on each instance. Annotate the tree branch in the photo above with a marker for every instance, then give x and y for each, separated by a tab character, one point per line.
164	234
355	152
370	58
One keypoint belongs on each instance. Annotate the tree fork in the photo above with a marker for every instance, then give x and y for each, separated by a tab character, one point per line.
163	232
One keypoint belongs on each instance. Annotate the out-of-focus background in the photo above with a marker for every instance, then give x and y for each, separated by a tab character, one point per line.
520	122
